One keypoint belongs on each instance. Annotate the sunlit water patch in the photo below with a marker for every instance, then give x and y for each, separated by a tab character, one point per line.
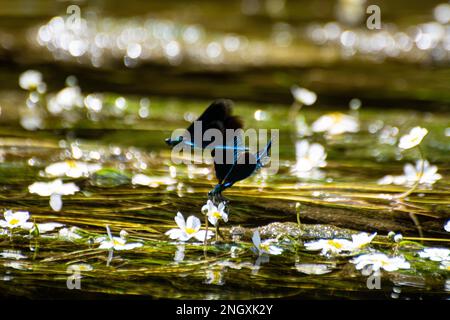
121	176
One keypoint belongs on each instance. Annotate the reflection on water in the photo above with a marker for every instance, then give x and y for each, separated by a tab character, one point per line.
96	40
90	195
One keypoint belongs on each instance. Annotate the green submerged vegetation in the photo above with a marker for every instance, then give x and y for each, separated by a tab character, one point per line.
93	204
344	199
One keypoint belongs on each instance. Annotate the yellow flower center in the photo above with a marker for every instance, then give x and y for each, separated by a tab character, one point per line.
337	117
335	244
71	163
216	215
264	247
14	221
189	230
117	243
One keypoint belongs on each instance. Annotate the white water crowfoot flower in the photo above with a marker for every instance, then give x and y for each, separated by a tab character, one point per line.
333	246
336	246
46	189
30	80
374	262
408	141
55	189
428	176
303	96
117	243
336	123
80	267
413	138
309	156
413	173
13	220
72	169
188	229
435	254
42	227
265	247
19	219
214	213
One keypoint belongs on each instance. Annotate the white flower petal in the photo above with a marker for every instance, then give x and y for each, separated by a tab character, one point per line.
174	234
193	222
30	79
256	239
389	179
56	202
106	245
212	219
50	226
275	250
447	226
224	216
179	219
68	189
200	236
410	171
69	234
413	138
303	96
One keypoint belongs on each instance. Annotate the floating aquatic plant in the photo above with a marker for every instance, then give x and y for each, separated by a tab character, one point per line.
374	262
336	246
215	213
188	229
19	220
332	246
30	80
14	220
72	169
422	172
303	95
55	189
336	123
342	202
265	247
435	254
408	141
413	138
117	243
